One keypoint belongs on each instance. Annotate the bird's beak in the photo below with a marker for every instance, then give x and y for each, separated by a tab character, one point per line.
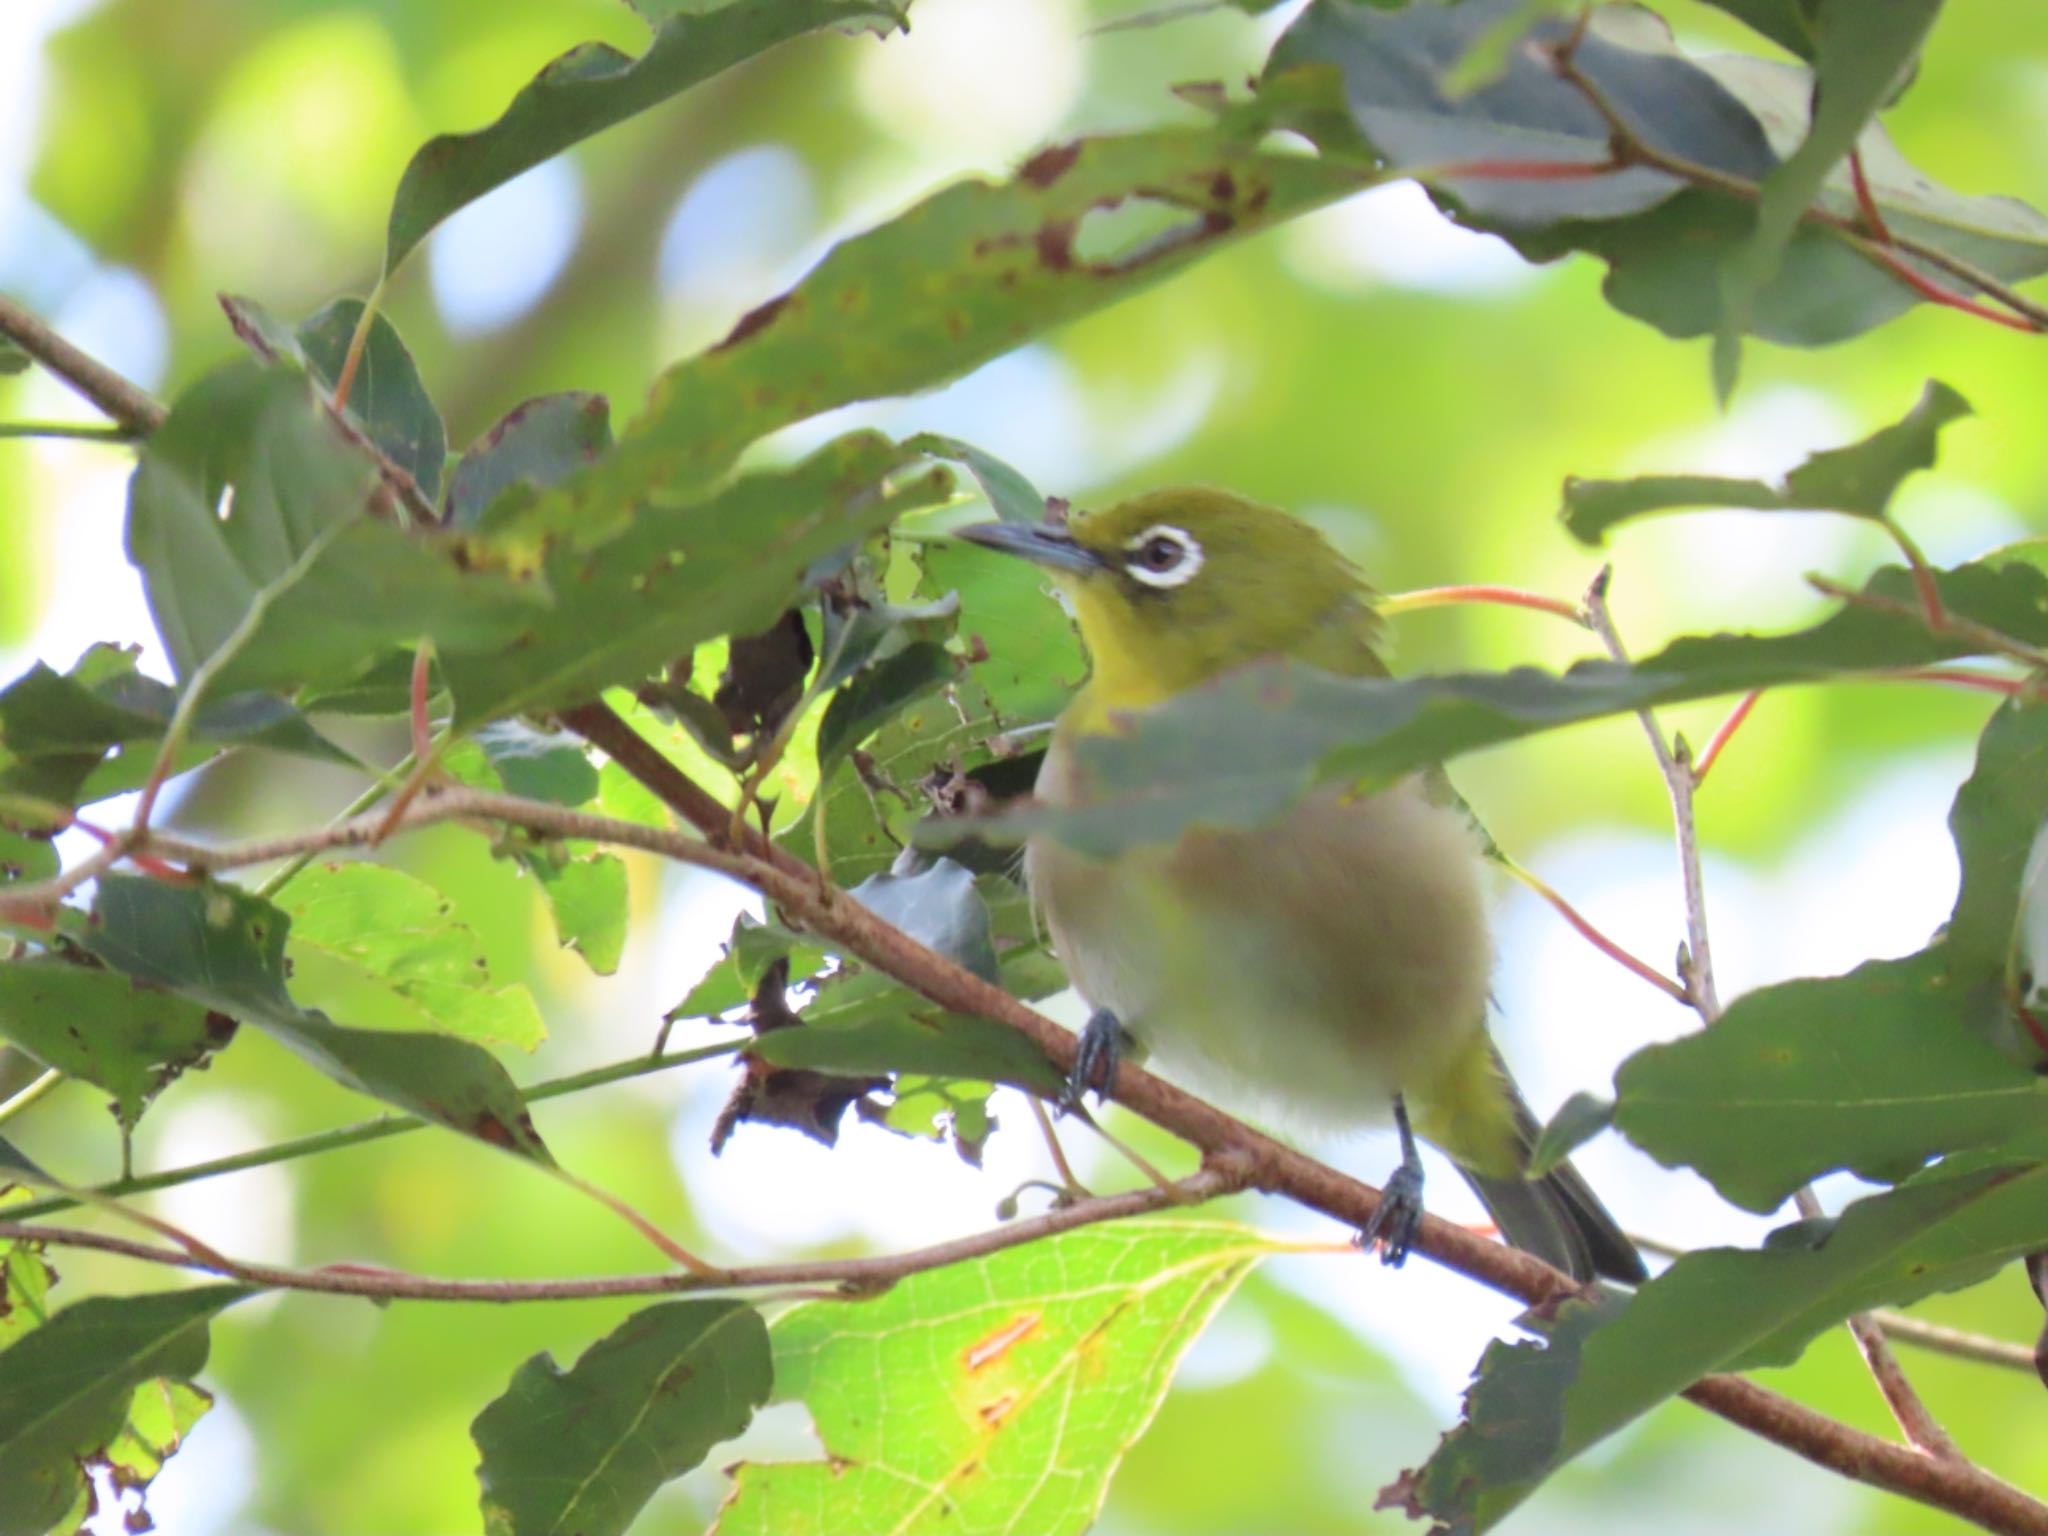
1040	543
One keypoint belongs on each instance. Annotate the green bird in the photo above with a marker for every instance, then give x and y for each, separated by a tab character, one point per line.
1319	971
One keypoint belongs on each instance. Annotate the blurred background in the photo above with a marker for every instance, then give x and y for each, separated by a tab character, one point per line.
1413	388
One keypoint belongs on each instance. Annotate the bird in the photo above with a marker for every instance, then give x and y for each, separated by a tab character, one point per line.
1322	972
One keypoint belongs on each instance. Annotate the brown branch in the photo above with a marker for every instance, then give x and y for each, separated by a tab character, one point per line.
1915	1422
604	728
1960	1343
859	1276
1241	1156
140	412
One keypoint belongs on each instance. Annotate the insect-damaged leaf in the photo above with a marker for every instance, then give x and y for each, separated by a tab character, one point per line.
224	948
68	1387
591	88
992	1396
387	399
965	275
584	1450
385	946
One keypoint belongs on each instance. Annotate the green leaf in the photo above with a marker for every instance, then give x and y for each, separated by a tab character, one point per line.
1034	664
1894	1063
591	88
585	887
865	1024
1859	480
992	1396
13	360
67	1390
224	948
964	276
1610	1360
390	941
1239	750
73	737
162	1413
862	706
24	857
1582	1117
1666	264
1788	23
553	766
939	907
388	400
1395	63
25	1281
588	895
628	599
299	581
1875	1072
538	443
1863	49
99	1026
1013	498
1996	820
584	1450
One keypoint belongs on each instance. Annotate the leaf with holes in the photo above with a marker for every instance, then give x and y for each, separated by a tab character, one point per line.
1238	751
939	907
297	581
101	1027
584	1450
593	87
224	948
383	947
1858	480
964	276
992	1396
67	1390
538	443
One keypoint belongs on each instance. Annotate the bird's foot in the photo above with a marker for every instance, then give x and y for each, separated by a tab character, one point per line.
1397	1222
1104	1043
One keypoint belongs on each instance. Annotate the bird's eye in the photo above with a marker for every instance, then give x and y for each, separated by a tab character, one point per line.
1163	557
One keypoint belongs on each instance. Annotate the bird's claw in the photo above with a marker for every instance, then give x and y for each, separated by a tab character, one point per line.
1398	1221
1103	1044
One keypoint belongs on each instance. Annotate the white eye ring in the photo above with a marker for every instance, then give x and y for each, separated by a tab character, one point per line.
1154	543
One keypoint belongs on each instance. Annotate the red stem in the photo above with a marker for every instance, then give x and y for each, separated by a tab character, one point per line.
1866	201
1720	737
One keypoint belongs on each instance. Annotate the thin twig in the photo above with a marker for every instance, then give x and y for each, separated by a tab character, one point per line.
1716	743
80	431
30	1093
133	407
1507	597
1679	781
1682	779
859	1276
363	1132
1958	1342
1592	935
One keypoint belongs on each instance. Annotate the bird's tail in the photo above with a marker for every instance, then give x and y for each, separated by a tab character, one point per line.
1558	1218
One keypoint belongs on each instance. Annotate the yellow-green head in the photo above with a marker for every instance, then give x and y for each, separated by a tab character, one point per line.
1172	587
